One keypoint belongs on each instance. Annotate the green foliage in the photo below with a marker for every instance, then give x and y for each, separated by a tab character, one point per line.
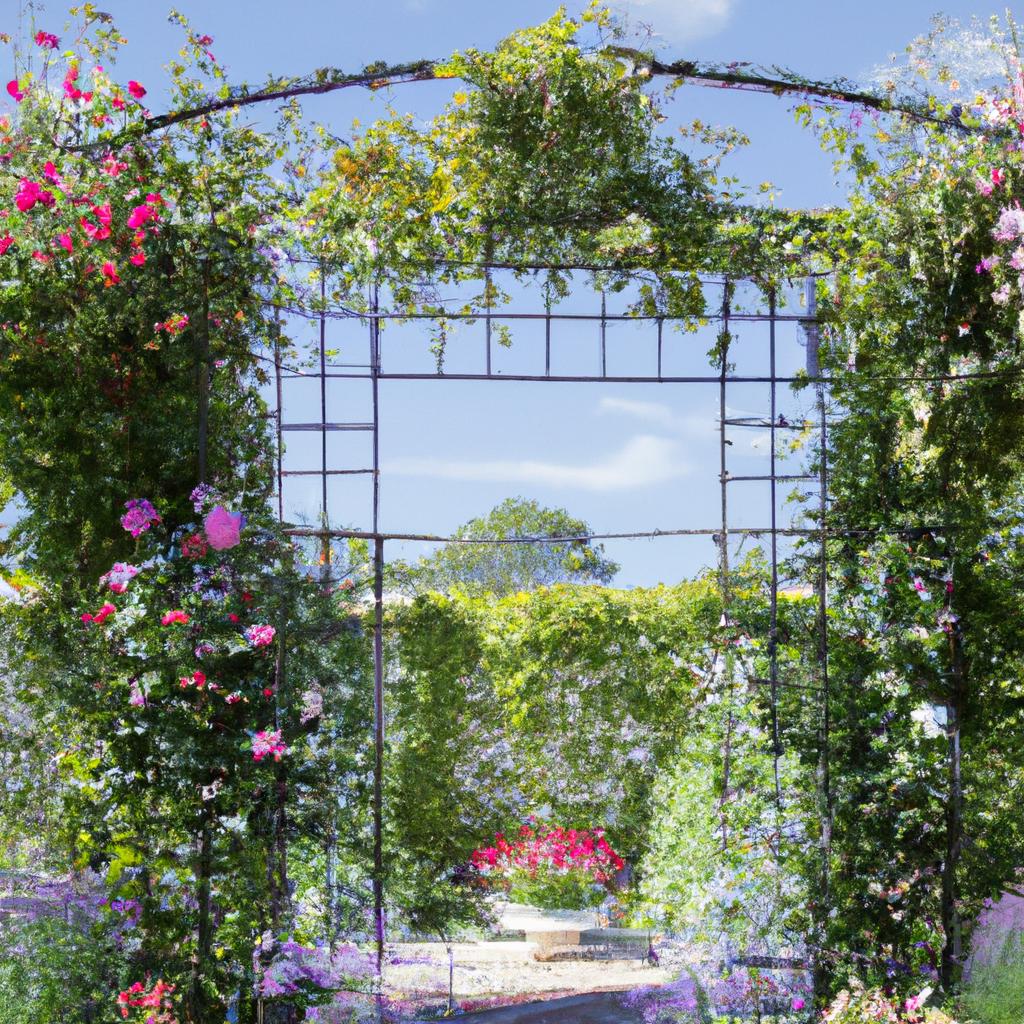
501	569
54	971
994	993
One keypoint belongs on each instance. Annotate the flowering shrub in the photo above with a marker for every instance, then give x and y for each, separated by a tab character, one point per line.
286	968
159	998
551	867
860	1005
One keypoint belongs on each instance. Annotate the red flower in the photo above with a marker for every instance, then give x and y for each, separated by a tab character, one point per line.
136	90
5	243
110	275
194	546
47	40
169	618
137	259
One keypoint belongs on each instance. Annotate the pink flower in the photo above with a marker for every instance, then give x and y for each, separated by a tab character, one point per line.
96	233
5	243
986	264
223	528
50	172
106	610
137	698
28	195
119	576
113	166
137	259
65	241
110	275
1010	224
47	40
14	92
197	679
136	90
268	741
117	103
260	636
177	615
232	698
140	516
798	1003
998	176
140	215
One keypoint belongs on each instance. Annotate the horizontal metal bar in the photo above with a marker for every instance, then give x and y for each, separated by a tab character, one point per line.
324	472
789	476
766	424
321	427
356	314
713	532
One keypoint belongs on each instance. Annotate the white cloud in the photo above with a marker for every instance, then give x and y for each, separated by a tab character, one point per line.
679	21
692	425
642	461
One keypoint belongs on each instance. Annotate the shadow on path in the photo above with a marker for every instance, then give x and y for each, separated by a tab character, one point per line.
593	1008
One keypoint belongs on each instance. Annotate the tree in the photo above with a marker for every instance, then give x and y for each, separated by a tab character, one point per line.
501	569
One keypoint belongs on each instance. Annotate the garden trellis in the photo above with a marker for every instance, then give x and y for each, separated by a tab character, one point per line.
138	337
342	320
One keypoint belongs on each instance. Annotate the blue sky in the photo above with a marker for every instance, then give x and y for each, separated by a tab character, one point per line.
623	457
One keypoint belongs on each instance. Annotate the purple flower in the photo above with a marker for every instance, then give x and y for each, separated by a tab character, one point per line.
140	516
1010	225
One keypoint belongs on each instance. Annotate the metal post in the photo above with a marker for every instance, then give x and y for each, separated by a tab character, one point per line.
487	315
378	655
278	417
604	336
324	518
773	629
661	325
824	783
723	550
547	328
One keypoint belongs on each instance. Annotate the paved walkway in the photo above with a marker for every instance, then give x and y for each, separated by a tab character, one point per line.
595	1008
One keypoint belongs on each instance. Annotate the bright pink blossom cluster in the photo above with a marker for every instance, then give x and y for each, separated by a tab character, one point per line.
98	618
223	528
260	636
174	616
197	679
119	576
268	741
561	849
140	516
158	998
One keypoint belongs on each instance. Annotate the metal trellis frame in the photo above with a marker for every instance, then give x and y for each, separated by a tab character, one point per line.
373	318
